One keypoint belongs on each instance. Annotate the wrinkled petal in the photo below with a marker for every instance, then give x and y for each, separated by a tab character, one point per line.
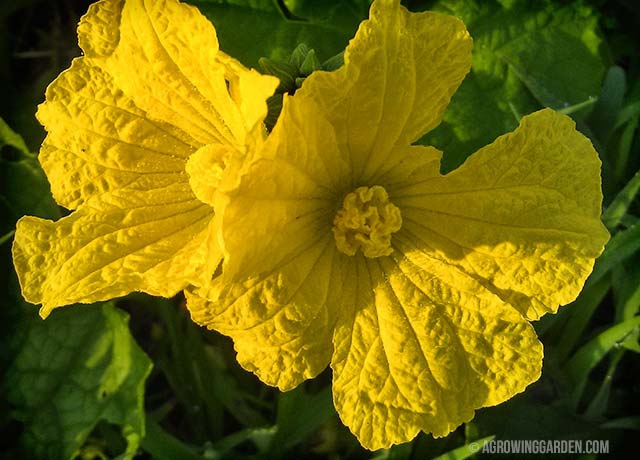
422	347
400	72
164	55
249	90
123	110
206	168
414	163
521	215
156	241
124	123
281	321
99	141
278	293
276	296
285	196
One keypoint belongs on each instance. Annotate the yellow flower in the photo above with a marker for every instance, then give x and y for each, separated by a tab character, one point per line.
343	245
151	90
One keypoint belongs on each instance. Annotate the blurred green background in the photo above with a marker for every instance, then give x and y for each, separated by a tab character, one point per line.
136	377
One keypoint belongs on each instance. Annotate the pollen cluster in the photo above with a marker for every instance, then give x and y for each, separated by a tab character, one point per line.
366	221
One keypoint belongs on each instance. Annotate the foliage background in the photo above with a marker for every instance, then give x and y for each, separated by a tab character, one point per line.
137	378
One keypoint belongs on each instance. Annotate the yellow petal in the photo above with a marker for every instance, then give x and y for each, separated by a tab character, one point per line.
99	141
400	72
277	295
164	55
286	197
521	215
151	90
248	89
156	241
99	31
413	163
420	346
281	321
205	168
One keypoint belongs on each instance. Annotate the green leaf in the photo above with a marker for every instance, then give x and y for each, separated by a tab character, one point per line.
163	446
629	221
621	246
197	373
626	289
624	423
555	65
627	113
323	9
600	401
249	30
604	115
24	189
23	186
11	138
581	312
612	216
632	344
590	354
516	47
260	437
399	452
299	415
260	5
465	451
623	153
534	415
78	367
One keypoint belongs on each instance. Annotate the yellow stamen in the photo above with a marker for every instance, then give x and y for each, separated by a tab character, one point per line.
366	221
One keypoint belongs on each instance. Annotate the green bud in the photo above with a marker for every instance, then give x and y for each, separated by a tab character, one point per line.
298	55
285	72
292	74
309	64
274	106
333	63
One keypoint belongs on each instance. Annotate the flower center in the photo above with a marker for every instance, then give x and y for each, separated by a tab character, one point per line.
366	221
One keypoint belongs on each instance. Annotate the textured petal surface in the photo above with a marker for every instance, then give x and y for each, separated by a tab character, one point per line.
156	241
98	140
282	320
277	293
422	347
400	72
522	215
206	168
149	98
286	196
164	55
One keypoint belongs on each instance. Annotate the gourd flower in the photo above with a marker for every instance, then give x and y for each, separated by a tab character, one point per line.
123	122
343	244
